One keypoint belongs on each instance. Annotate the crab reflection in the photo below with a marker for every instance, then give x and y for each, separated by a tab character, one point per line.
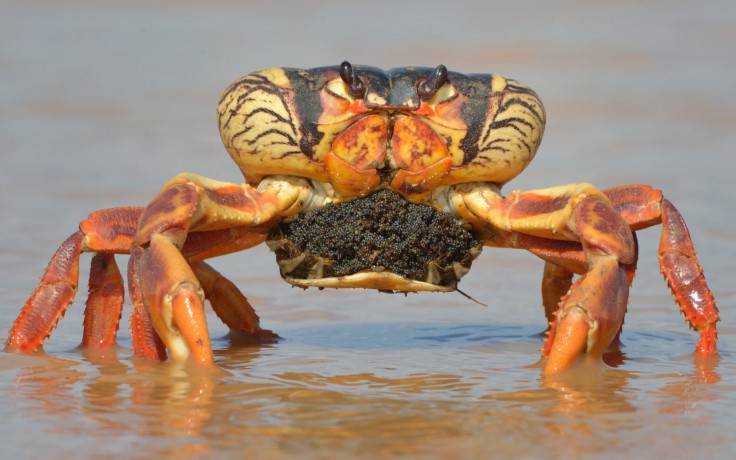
592	387
186	394
293	398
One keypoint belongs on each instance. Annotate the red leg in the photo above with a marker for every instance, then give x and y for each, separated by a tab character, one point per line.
48	303
104	303
231	306
556	282
111	230
643	207
146	342
108	231
681	269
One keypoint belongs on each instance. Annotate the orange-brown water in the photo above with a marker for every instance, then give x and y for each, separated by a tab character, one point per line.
100	106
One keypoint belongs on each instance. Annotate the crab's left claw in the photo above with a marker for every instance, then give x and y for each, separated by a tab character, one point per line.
166	271
175	301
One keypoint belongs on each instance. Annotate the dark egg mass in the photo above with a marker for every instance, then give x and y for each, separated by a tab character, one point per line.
380	232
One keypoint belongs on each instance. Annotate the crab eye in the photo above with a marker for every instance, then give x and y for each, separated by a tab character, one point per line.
437	86
354	84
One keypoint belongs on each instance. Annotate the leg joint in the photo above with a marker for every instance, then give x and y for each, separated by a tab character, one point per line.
603	231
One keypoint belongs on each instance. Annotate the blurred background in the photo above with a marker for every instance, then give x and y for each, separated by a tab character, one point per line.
101	103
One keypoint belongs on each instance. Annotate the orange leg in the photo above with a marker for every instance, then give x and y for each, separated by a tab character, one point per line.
174	301
106	231
556	282
644	207
230	305
50	300
146	342
104	303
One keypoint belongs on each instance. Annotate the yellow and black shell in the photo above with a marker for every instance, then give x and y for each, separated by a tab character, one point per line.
285	121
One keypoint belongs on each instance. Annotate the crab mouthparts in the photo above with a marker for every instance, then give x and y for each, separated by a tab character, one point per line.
380	241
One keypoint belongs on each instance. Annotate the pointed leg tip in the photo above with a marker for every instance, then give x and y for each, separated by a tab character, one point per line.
16	345
707	343
10	347
266	336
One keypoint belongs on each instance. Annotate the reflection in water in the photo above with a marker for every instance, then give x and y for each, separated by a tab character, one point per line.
634	91
175	409
587	388
412	384
682	392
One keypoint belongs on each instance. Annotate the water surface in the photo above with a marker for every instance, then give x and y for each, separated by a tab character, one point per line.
101	105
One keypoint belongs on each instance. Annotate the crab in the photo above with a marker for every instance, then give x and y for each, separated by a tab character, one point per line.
358	177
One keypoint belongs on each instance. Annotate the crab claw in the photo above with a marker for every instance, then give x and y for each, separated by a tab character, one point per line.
355	155
590	316
175	301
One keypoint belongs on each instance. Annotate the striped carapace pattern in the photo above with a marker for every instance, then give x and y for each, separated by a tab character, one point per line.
285	121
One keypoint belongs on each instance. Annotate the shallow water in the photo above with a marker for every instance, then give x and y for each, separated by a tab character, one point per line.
102	105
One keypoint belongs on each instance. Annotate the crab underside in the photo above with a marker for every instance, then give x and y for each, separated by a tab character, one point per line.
376	237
